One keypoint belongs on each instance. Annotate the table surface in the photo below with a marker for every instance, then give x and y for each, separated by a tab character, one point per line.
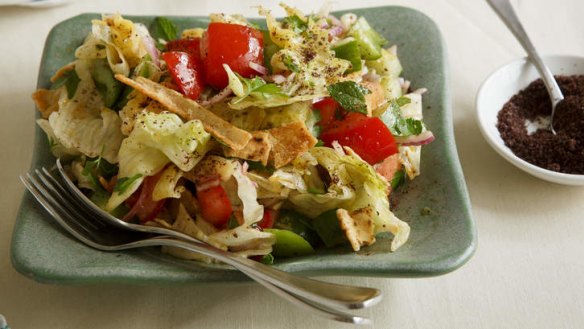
526	273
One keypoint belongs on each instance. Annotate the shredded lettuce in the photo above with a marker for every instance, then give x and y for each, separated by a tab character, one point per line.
156	140
355	186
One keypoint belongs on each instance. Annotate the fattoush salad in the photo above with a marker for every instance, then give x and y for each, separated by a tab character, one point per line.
267	141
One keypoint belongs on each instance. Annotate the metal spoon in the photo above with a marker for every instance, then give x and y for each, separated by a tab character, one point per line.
505	11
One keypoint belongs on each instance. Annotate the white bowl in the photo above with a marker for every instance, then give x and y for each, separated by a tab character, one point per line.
498	89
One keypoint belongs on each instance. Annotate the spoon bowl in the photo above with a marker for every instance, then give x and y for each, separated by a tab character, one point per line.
505	11
500	86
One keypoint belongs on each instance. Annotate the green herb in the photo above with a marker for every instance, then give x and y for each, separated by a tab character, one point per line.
290	65
258	88
258	166
232	222
398	179
350	95
313	190
397	124
98	167
319	143
70	80
401	101
163	29
125	182
267	259
294	23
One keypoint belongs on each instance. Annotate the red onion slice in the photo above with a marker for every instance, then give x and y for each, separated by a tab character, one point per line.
150	46
258	68
423	138
218	98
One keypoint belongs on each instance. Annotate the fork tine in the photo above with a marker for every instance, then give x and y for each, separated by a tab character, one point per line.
57	191
52	207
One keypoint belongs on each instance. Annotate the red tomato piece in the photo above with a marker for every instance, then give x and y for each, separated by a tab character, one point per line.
185	73
328	109
269	218
142	205
191	46
368	137
215	206
231	44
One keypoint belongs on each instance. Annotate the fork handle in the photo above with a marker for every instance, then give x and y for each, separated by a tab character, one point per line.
332	295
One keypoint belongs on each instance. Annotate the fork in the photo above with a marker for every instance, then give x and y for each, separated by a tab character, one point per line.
325	299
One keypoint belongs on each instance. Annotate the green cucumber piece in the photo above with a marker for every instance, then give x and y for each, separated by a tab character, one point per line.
369	40
289	244
350	51
328	228
108	87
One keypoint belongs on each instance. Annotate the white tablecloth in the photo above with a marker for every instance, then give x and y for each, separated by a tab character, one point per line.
527	272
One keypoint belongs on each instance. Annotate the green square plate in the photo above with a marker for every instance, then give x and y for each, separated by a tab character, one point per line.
436	204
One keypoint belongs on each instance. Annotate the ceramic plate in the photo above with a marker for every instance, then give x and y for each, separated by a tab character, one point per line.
436	204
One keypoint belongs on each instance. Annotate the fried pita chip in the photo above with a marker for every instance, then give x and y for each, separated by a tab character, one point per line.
257	149
188	109
290	141
375	98
358	226
47	101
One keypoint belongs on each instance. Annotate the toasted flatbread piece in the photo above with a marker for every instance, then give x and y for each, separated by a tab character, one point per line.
290	141
188	109
375	98
47	101
257	149
358	227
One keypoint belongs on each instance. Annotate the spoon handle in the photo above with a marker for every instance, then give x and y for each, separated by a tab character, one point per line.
505	11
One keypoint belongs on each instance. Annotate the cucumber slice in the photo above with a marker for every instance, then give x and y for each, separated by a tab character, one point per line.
289	244
369	40
350	51
108	87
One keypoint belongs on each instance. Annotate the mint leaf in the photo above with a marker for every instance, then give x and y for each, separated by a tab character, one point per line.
70	80
125	182
350	95
397	124
163	29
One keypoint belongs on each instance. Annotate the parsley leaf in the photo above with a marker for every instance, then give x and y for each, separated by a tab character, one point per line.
98	167
398	179
125	182
288	61
397	124
70	80
257	88
294	23
350	95
163	29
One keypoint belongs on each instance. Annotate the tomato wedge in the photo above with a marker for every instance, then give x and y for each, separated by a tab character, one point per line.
185	73
142	205
231	44
215	205
191	46
368	137
269	218
328	109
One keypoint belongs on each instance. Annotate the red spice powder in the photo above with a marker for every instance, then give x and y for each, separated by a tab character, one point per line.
563	152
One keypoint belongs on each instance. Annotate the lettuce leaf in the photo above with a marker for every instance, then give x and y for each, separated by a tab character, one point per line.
354	186
156	140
